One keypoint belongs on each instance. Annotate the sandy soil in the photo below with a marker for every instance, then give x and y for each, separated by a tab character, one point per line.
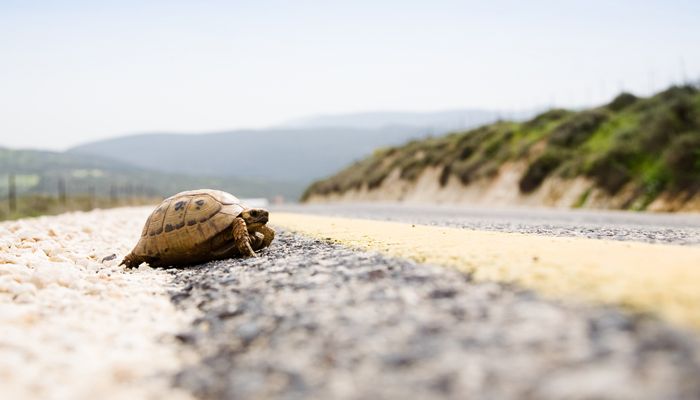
502	190
74	324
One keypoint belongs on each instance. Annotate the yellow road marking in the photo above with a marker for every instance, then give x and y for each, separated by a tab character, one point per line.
661	279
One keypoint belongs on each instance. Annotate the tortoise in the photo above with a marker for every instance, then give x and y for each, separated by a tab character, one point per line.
197	226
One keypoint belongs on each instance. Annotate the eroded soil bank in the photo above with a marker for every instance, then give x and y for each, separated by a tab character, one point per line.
501	190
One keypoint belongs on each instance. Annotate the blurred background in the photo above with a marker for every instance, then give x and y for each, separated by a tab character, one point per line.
106	104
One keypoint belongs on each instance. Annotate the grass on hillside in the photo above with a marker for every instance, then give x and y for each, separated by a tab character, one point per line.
42	172
37	205
653	143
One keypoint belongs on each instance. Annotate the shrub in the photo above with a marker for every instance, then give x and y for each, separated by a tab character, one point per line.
496	141
677	91
375	177
669	120
437	153
412	167
466	170
445	175
546	117
538	171
682	158
622	101
612	170
582	199
578	128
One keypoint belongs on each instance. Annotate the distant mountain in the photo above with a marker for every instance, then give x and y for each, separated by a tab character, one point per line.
292	155
436	122
39	172
299	152
40	161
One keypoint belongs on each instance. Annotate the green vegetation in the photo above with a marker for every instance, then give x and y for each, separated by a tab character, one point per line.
651	143
36	205
539	169
48	173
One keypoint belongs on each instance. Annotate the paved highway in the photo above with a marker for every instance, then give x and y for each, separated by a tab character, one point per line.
314	319
681	229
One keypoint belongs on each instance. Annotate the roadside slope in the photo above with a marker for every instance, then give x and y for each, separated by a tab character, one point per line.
633	153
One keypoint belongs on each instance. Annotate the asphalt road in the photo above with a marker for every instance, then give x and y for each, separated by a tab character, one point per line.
682	229
311	319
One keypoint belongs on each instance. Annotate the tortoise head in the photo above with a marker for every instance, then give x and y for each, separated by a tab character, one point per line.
255	216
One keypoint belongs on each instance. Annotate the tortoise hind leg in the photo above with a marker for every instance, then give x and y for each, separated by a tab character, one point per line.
241	238
132	261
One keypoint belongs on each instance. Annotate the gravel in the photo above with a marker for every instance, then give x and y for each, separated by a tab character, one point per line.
680	229
310	319
74	325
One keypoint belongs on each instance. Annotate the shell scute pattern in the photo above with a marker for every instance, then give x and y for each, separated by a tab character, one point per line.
203	219
155	221
174	220
144	232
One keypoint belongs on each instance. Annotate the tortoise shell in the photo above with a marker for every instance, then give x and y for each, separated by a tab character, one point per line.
185	227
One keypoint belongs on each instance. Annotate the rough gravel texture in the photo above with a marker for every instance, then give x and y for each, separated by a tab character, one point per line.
311	319
74	325
681	229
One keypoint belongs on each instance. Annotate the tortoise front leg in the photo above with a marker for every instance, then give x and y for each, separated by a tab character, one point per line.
256	240
267	233
241	238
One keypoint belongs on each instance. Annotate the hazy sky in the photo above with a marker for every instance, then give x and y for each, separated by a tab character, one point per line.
74	71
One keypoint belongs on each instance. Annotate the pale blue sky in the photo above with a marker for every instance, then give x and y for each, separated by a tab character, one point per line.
74	71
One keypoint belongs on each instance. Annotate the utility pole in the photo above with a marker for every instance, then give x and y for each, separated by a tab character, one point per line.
91	192
112	195
62	191
129	193
12	192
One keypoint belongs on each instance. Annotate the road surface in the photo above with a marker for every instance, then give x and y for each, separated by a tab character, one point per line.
311	319
683	229
315	318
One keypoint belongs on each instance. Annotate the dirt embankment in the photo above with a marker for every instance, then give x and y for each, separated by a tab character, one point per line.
502	190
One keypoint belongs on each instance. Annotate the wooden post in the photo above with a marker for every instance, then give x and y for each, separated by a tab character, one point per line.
91	192
12	192
62	191
112	195
129	194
